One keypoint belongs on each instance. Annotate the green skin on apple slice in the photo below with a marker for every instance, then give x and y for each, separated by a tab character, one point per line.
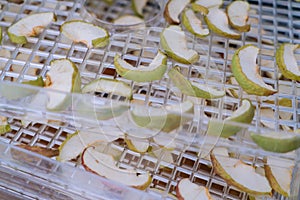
138	6
203	6
192	88
63	77
217	22
277	142
161	118
154	71
89	34
4	126
245	71
239	174
193	24
173	41
237	13
13	92
137	145
0	35
243	114
287	62
30	25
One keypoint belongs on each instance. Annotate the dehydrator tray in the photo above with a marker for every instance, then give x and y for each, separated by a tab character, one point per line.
36	177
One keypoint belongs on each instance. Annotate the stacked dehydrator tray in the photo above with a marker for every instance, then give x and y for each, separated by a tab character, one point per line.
29	175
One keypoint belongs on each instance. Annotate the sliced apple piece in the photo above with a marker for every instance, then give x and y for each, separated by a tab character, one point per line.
127	20
187	190
89	34
164	119
217	22
239	174
13	92
203	6
192	88
173	9
63	76
245	71
4	126
244	114
174	43
279	173
137	144
237	12
105	165
154	71
110	86
287	62
138	6
277	142
193	24
28	26
78	141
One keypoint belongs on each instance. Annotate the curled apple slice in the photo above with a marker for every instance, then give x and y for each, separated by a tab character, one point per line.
173	41
277	142
110	86
203	6
245	71
287	62
78	141
138	6
62	76
154	71
192	88
105	165
28	26
279	173
4	126
217	22
244	114
193	24
89	34
137	144
239	174
165	118
173	10
237	12
186	190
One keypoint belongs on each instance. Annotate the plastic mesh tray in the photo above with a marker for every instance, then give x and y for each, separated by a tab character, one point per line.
278	19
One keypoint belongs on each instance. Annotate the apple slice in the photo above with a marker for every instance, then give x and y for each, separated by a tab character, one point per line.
63	76
277	142
245	71
138	6
163	119
78	141
4	126
110	86
187	190
237	12
173	41
239	174
193	24
279	173
127	20
173	9
244	114
203	6
137	144
0	34
105	165
89	34
192	88
287	62
154	71
30	25
217	22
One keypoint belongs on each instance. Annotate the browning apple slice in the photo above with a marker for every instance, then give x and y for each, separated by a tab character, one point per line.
173	9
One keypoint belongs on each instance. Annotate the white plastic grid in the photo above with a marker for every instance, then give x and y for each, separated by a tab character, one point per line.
214	63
